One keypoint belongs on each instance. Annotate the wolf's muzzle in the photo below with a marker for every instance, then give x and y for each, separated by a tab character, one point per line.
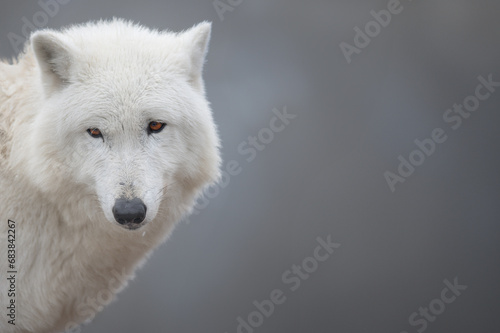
129	213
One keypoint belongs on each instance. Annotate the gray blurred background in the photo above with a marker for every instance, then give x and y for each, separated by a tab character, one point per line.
324	173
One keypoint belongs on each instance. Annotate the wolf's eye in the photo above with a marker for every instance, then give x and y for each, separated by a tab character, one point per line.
155	127
94	132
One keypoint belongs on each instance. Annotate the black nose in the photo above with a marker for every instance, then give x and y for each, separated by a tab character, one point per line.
129	212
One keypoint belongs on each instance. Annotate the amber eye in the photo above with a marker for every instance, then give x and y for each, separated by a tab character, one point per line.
94	132
155	126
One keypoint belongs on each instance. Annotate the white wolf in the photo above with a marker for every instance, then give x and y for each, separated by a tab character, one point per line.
106	139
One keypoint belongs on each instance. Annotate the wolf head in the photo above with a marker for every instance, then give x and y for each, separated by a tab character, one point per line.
124	116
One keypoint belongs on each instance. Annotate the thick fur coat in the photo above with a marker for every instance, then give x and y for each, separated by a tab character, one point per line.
60	183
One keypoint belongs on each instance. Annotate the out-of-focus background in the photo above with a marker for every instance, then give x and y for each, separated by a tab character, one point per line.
419	247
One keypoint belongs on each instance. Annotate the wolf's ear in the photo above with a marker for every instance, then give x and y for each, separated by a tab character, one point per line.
55	59
196	42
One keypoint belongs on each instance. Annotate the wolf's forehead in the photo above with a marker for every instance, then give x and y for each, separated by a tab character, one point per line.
132	100
126	82
126	71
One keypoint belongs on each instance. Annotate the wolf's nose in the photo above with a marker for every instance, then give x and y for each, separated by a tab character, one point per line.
129	212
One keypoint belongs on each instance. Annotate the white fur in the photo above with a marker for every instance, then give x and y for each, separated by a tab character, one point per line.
59	184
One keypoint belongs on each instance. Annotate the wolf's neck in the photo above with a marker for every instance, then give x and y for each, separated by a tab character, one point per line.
82	263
